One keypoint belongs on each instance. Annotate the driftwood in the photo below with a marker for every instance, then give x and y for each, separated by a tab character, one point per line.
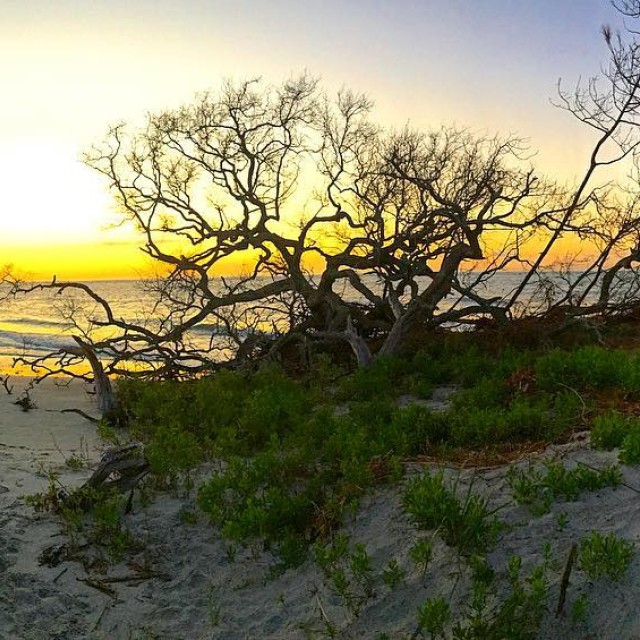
128	462
564	583
120	469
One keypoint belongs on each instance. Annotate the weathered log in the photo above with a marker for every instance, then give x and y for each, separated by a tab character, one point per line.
127	463
120	469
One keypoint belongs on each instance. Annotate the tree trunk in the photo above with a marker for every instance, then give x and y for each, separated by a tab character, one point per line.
104	392
358	345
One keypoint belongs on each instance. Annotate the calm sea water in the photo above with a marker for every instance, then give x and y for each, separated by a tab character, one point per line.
35	324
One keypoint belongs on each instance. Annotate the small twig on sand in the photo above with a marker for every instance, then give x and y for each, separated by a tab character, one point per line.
564	583
583	413
61	574
86	416
323	613
4	380
100	586
140	577
99	620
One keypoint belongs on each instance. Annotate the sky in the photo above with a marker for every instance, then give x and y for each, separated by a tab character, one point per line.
69	68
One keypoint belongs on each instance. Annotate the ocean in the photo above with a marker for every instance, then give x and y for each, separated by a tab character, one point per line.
37	323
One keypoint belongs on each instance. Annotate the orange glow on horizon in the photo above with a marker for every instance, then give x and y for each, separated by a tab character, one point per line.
96	261
75	261
77	67
124	259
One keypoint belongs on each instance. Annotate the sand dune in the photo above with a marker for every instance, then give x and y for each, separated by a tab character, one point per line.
195	588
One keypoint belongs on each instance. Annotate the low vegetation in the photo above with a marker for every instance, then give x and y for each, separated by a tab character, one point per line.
298	453
466	524
539	489
289	457
605	555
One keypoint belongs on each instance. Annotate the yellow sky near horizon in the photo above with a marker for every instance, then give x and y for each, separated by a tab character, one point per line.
71	68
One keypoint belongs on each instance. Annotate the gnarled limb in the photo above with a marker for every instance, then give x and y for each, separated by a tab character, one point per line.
104	392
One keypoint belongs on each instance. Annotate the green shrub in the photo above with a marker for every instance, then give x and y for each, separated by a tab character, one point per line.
609	430
412	428
538	489
272	410
256	498
605	555
613	429
431	367
348	570
466	525
393	574
422	553
106	527
588	366
512	612
293	466
172	451
630	448
433	617
379	380
470	366
300	483
237	412
489	392
523	418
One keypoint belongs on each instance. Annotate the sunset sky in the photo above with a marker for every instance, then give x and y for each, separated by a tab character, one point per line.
68	68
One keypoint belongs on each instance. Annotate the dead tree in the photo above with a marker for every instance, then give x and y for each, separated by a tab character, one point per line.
346	230
601	214
317	199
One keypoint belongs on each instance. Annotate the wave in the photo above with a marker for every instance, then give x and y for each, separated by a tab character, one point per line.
208	329
45	323
13	343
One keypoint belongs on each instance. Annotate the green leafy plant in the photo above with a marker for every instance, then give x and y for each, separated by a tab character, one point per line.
107	528
466	524
172	452
422	553
393	574
630	448
51	498
433	617
538	489
494	611
609	430
605	555
579	609
589	366
75	462
485	422
562	520
348	570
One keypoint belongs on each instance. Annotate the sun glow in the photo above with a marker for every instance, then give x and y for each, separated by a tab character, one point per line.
55	216
48	195
69	69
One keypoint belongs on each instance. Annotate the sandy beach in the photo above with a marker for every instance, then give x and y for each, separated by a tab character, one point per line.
194	586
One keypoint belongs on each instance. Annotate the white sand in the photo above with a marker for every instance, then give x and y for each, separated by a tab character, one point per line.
207	594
